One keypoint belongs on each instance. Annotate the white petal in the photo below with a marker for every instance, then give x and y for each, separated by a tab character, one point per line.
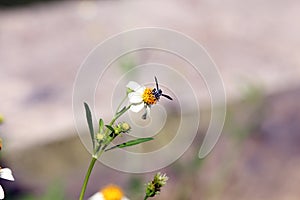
148	111
124	198
135	97
1	193
6	173
141	90
97	196
133	85
137	108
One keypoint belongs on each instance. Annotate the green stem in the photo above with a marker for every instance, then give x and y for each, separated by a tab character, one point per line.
116	116
87	177
92	163
146	197
97	155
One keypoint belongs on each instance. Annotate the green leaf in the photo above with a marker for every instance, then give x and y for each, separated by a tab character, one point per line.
110	128
131	143
90	122
101	125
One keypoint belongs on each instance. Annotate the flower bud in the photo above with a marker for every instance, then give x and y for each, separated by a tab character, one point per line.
121	127
129	90
125	127
154	187
99	136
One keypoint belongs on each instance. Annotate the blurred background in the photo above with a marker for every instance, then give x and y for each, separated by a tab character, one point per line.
255	45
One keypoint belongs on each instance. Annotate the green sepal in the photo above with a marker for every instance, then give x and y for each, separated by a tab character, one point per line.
90	122
131	143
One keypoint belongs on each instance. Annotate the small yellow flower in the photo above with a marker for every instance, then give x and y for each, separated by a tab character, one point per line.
110	192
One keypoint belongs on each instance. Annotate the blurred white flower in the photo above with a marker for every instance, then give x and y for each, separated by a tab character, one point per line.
110	192
5	173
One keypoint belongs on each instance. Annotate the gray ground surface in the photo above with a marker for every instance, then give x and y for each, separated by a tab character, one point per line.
43	45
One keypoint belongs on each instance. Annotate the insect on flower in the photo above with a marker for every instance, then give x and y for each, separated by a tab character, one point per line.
142	97
158	92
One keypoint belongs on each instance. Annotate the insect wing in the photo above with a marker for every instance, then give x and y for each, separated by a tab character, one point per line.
156	82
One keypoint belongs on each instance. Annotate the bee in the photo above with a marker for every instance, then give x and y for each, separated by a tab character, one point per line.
153	96
157	92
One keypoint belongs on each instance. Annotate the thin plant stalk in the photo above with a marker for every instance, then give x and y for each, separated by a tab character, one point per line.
87	177
97	155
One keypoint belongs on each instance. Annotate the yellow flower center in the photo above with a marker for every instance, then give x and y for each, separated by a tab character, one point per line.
148	97
112	192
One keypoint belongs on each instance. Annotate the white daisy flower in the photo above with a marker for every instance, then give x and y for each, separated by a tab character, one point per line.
143	98
110	192
5	173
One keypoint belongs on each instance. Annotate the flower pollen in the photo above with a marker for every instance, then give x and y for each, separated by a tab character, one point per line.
112	192
148	97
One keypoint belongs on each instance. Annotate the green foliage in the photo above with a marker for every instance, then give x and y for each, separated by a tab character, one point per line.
110	128
127	63
90	122
1	119
135	187
19	3
131	143
56	192
101	125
